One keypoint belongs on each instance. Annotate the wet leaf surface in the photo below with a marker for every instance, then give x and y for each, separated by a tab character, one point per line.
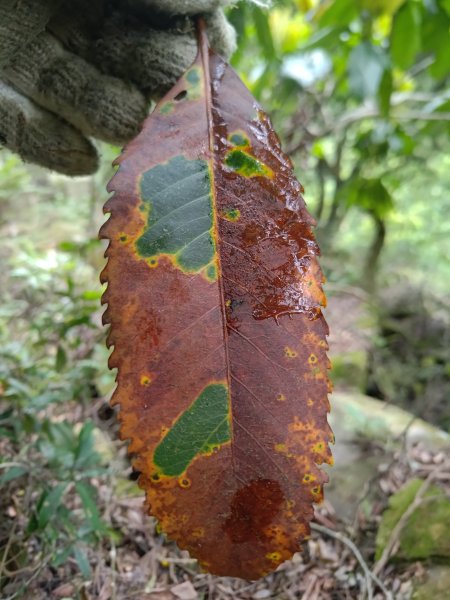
214	300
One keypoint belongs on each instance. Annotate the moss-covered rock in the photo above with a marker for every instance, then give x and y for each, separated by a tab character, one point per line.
355	416
437	585
350	367
426	534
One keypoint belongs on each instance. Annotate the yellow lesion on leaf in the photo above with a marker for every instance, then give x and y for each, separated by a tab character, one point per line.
316	373
198	533
232	214
153	262
145	379
308	478
243	163
184	482
322	453
290	352
275	556
316	491
280	448
281	397
213	448
312	359
241	159
301	425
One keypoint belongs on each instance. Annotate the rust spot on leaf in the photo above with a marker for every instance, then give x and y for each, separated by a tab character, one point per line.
247	519
290	353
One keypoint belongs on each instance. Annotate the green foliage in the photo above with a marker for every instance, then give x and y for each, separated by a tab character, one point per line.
49	335
359	91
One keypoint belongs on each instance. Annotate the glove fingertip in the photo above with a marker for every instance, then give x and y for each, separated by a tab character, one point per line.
222	35
42	138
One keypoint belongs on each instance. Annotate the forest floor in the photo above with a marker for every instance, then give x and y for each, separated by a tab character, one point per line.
138	563
133	561
336	562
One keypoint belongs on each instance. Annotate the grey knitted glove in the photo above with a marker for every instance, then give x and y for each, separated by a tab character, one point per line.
74	69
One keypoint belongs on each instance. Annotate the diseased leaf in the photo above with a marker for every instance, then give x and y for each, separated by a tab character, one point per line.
214	300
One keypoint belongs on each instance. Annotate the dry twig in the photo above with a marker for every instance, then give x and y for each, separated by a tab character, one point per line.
369	575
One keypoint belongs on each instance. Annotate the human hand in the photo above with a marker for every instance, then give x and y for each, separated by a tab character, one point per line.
75	69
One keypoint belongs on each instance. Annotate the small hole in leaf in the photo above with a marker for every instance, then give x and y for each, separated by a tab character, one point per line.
134	475
105	412
181	96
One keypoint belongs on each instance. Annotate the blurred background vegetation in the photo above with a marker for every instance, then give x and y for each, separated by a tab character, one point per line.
358	92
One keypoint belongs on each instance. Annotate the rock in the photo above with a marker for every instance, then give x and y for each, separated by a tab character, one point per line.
355	415
425	535
437	585
357	421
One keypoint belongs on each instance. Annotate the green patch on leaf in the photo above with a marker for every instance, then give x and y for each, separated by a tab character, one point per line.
193	75
202	427
167	108
179	224
239	139
194	83
211	272
232	214
246	165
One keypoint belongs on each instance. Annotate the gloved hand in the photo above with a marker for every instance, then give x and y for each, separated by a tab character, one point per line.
73	69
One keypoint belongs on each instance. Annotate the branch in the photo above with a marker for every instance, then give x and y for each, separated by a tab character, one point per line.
369	576
374	113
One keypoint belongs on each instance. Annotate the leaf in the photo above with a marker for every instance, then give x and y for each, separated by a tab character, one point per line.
12	473
435	39
214	295
370	195
385	92
406	35
264	33
83	562
366	66
49	503
60	359
86	493
338	12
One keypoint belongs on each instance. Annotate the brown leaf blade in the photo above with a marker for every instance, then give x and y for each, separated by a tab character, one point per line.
214	300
